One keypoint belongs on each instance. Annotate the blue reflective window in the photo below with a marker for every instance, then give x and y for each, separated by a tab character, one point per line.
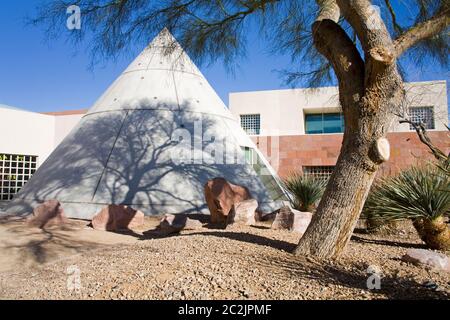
324	123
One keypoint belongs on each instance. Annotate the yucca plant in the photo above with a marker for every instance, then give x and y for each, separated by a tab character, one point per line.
306	191
444	166
420	194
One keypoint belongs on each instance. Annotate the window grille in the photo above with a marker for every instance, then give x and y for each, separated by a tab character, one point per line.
251	123
318	172
15	171
423	115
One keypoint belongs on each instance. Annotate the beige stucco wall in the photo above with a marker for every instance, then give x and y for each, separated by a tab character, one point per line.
63	125
26	133
31	133
282	111
423	94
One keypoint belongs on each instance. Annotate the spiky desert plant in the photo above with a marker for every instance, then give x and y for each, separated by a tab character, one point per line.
383	227
444	166
306	191
420	194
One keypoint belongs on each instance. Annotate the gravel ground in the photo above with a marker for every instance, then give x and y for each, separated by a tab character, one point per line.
243	263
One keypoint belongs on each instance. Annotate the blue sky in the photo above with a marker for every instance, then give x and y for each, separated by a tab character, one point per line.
51	76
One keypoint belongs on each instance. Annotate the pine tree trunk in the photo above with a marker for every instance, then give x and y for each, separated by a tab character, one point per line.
370	93
363	150
341	204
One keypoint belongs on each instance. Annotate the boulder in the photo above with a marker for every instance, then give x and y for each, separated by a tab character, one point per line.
290	219
301	221
241	193
258	215
174	223
428	258
117	217
220	196
284	219
262	216
243	212
49	213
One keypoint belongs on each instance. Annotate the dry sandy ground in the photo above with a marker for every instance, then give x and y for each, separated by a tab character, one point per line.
254	262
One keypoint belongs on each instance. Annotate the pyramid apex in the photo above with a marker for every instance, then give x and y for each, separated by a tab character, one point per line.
164	39
165	29
165	32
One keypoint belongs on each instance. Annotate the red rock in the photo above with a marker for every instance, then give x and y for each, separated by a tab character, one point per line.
48	214
240	193
117	217
258	215
174	223
243	212
428	258
261	216
284	219
301	221
290	219
220	197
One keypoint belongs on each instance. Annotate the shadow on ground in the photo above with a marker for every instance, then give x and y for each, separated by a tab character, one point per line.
384	242
351	275
21	245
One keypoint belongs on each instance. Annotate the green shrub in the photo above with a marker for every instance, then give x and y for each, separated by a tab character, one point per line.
420	194
306	191
414	193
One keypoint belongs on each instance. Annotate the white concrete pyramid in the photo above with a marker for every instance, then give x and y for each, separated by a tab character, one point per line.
122	151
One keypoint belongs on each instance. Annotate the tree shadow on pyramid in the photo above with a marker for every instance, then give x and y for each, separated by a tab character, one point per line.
130	157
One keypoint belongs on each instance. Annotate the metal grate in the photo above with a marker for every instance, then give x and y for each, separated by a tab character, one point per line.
423	115
251	123
318	172
15	171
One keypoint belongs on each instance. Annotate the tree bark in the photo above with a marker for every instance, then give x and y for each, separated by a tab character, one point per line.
425	139
370	93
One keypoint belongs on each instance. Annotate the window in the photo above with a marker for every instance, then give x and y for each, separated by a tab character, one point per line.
423	115
324	123
318	172
251	123
15	171
261	170
250	155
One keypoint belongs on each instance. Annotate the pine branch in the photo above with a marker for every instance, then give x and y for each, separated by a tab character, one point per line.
422	31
